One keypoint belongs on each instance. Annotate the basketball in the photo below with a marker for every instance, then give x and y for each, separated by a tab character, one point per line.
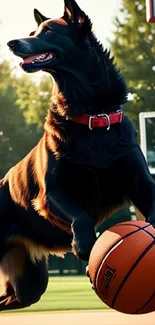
122	267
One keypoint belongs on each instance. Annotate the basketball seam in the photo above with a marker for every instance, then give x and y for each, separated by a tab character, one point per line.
125	236
130	271
130	224
106	256
147	232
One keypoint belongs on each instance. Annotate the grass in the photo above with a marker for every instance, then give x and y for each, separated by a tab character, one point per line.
67	293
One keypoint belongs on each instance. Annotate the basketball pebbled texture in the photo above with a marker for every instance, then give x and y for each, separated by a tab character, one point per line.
122	267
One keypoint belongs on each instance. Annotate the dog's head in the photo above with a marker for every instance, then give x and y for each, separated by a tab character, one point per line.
66	47
60	44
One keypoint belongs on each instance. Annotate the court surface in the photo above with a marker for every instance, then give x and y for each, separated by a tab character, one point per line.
78	318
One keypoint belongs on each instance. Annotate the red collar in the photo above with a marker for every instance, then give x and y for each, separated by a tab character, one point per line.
99	121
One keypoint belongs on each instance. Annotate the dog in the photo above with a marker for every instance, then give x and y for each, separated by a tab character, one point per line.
87	165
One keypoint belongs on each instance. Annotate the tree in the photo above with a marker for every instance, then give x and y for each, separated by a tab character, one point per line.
134	50
33	99
23	107
16	137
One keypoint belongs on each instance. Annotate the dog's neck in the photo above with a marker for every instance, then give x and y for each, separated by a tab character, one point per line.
102	90
82	96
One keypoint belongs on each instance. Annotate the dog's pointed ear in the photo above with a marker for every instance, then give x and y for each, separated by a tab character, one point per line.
73	13
39	17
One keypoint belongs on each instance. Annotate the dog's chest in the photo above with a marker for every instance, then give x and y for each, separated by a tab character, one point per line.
98	148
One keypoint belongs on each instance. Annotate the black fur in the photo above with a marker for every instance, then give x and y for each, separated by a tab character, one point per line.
75	177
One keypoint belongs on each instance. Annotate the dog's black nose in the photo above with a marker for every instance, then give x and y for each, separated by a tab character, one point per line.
12	44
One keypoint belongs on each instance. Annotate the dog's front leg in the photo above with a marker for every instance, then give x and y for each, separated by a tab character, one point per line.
142	195
82	226
140	185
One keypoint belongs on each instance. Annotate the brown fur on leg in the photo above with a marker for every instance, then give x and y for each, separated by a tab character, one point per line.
9	291
25	280
12	265
13	262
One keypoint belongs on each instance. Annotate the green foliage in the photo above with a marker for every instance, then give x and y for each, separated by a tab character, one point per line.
23	106
33	99
134	50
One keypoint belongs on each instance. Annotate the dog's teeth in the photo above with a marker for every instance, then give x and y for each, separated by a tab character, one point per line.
42	57
34	61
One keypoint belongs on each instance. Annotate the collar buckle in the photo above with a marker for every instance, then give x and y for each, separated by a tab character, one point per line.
90	122
98	116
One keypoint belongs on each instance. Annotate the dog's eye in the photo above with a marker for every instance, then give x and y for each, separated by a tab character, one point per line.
32	33
47	30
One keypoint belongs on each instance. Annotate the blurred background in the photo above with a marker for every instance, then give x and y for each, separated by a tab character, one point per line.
24	99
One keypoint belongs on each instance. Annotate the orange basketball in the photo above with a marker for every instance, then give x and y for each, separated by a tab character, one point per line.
122	267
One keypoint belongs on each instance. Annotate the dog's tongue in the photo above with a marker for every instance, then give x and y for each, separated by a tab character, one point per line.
30	59
42	57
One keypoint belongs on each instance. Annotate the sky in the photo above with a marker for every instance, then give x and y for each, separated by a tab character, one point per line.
16	17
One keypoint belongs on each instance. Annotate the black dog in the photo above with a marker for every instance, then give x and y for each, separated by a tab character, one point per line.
86	166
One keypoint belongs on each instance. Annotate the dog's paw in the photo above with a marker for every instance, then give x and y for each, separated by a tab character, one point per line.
82	254
84	238
9	300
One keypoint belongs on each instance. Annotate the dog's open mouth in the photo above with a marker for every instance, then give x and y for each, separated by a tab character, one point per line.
39	58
